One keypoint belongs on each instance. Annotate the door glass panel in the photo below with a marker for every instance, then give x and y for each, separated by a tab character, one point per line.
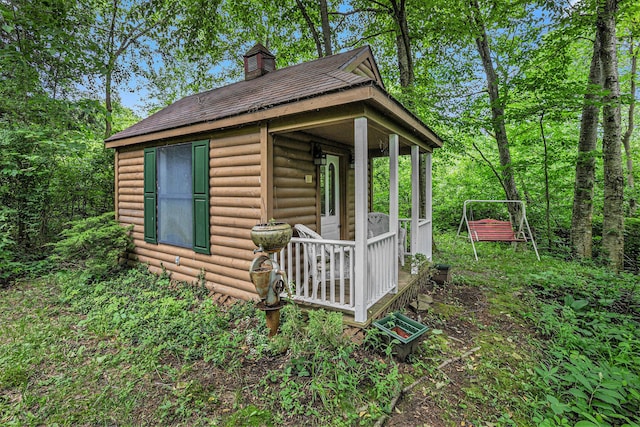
323	192
330	198
332	189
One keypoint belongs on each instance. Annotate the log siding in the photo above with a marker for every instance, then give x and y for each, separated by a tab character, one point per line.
294	199
235	207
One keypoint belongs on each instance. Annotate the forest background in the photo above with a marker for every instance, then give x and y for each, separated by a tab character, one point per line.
533	100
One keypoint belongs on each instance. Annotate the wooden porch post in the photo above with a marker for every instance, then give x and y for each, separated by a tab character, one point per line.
361	196
428	210
415	202
394	148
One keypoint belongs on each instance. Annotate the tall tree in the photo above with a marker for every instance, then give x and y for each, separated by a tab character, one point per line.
403	43
51	165
399	30
613	214
326	28
387	21
629	24
41	55
312	28
626	138
497	108
312	12
120	30
582	216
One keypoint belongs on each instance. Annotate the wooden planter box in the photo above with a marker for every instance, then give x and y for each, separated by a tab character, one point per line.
403	329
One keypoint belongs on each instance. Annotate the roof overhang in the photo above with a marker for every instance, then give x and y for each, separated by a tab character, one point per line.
380	107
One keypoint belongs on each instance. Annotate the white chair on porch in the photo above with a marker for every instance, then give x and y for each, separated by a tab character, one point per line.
315	265
379	224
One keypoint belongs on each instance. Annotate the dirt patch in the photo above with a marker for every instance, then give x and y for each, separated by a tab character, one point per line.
445	396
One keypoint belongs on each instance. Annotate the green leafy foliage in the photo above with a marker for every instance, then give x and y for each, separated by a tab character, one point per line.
148	312
632	244
583	363
170	342
584	391
592	375
321	374
48	177
325	364
8	267
251	416
98	245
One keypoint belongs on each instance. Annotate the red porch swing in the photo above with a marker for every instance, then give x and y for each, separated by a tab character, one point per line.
493	230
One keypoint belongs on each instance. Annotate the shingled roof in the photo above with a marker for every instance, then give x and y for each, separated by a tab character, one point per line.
290	84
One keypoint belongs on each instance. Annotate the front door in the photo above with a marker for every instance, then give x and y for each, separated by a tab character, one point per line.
330	198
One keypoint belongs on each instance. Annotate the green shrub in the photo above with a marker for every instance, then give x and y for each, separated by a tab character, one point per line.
632	244
9	266
591	393
96	244
326	368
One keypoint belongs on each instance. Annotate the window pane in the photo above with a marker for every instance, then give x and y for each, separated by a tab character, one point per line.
175	207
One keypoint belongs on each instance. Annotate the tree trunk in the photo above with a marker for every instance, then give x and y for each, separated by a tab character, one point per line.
497	112
107	104
407	80
582	215
111	42
312	28
613	215
547	195
326	29
626	139
403	44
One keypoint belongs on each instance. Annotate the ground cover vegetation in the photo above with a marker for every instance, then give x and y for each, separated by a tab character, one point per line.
509	344
523	95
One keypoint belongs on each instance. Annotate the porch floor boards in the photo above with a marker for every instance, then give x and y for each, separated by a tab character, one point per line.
406	283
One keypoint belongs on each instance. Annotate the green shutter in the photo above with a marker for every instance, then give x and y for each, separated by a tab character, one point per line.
150	195
200	173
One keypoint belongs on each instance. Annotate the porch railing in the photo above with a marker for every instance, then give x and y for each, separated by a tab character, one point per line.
383	276
423	235
322	272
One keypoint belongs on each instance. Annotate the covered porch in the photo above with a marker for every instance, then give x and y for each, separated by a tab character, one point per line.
357	269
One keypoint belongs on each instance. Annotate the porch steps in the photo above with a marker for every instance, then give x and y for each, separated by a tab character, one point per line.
409	288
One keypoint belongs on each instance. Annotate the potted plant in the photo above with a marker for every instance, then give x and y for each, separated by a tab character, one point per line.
271	236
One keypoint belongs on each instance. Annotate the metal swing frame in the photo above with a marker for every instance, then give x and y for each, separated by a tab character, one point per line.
523	233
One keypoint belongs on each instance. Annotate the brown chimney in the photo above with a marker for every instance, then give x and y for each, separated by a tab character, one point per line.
258	61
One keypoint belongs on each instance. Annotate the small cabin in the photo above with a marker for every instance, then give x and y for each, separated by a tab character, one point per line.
296	145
